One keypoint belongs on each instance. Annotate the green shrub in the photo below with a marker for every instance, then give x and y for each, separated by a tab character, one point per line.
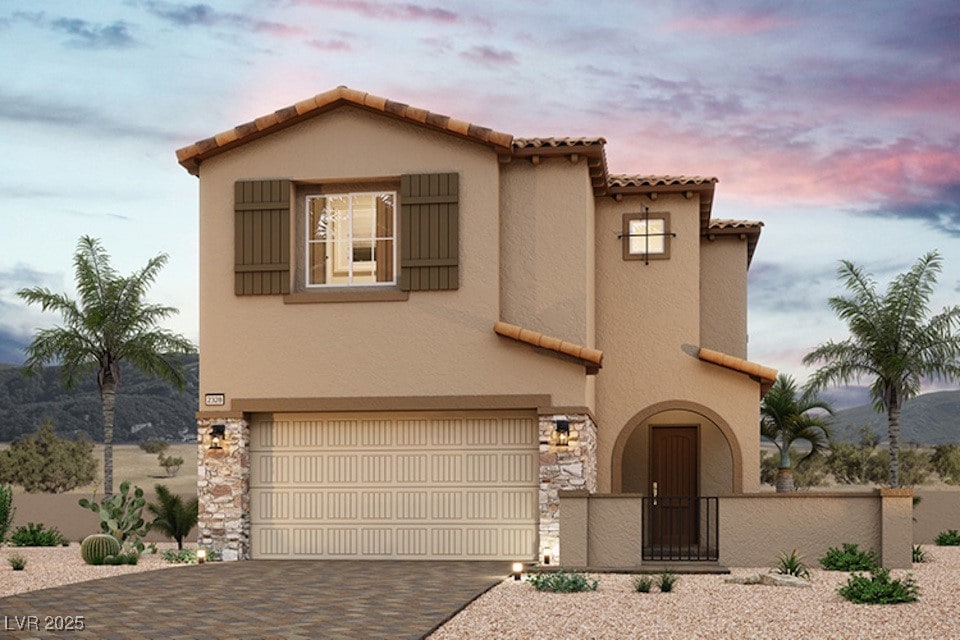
811	472
174	517
666	581
850	558
154	446
179	556
18	563
48	463
643	584
915	467
120	515
169	464
879	588
562	582
122	558
950	538
792	565
918	554
34	535
946	462
95	548
7	511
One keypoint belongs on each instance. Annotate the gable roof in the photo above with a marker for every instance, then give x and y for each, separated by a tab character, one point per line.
748	230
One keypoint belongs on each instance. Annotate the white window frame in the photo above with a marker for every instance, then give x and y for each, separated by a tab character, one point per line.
307	241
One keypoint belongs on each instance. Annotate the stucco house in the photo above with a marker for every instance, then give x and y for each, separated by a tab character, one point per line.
418	335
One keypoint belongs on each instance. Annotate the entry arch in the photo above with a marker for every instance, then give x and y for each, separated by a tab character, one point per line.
616	462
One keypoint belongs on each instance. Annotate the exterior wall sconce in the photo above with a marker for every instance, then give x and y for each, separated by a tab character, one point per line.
217	434
561	433
517	570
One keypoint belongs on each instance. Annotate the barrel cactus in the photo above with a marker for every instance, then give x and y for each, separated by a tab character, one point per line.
95	548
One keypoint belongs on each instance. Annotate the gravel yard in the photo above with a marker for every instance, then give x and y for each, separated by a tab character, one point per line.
54	566
703	606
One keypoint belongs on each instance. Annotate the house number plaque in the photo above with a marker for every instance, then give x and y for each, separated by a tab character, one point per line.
213	399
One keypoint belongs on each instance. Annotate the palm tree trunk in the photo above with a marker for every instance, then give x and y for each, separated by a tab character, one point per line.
108	400
893	431
785	481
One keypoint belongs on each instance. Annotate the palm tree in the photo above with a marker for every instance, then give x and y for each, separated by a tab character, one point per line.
892	340
174	518
785	418
110	324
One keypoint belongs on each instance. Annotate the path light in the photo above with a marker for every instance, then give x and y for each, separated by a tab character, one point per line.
201	556
517	570
217	433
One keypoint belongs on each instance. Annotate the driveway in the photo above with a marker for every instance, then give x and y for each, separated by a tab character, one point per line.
259	599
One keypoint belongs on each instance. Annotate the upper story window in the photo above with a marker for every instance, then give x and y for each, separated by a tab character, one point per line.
351	239
646	236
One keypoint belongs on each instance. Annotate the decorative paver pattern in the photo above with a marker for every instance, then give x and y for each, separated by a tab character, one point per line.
275	599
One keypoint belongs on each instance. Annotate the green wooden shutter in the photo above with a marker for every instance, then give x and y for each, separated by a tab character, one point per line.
430	232
262	237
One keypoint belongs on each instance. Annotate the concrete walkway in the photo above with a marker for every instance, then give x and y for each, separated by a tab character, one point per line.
280	599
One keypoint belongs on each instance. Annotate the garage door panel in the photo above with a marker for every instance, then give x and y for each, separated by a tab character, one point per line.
390	487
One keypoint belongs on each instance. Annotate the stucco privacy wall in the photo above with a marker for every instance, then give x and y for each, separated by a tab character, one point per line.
546	236
937	511
434	343
648	325
723	295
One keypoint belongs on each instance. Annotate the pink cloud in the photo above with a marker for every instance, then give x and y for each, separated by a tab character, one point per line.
330	45
489	56
406	12
730	25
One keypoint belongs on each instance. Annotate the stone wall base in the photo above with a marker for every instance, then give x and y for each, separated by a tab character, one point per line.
223	488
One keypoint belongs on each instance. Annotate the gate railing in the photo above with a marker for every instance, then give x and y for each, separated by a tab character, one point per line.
681	528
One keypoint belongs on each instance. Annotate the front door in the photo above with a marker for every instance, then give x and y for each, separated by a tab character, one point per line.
674	463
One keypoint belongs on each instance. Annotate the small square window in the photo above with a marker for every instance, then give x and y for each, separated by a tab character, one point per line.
646	236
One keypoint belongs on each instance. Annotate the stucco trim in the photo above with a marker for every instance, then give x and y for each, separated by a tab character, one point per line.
766	376
218	415
589	357
616	460
545	411
389	403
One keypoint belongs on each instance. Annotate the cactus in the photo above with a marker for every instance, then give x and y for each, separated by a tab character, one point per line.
95	549
120	515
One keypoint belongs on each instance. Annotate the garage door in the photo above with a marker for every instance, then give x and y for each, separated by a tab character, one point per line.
394	486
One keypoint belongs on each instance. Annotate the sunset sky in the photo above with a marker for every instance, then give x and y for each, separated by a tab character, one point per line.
836	123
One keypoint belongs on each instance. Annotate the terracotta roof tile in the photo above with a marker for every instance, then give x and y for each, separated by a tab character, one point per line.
556	143
626	180
719	223
764	375
592	358
749	228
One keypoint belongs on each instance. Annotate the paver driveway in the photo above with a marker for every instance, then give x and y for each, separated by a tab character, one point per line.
280	599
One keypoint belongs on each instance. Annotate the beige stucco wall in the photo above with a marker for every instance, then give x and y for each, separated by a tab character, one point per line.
546	248
648	326
716	463
755	529
435	343
723	295
937	511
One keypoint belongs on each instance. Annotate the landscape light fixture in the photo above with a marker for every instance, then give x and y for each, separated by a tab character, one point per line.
201	556
517	570
562	433
217	433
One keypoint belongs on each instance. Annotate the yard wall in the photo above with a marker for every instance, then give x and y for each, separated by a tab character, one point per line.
604	531
938	510
73	521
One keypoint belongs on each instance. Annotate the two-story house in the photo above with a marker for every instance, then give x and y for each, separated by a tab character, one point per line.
415	332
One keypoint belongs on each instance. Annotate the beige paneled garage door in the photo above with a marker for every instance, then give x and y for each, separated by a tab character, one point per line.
399	487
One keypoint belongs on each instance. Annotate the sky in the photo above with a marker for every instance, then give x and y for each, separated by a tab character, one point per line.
835	123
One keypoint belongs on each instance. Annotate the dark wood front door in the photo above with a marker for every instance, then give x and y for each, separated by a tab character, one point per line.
674	464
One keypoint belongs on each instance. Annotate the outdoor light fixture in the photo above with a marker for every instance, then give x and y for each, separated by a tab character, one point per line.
562	433
217	433
546	557
201	556
517	570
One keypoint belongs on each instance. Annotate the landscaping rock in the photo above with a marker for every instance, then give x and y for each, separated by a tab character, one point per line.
777	580
751	578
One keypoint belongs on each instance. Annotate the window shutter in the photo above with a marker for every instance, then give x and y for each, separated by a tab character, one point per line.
430	232
262	237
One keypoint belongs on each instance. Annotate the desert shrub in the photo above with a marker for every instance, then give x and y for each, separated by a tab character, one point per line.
174	517
792	564
643	584
946	462
849	558
562	582
915	467
129	557
848	462
170	464
950	538
7	511
187	556
95	548
45	462
919	555
120	515
17	563
34	535
666	582
879	588
811	472
154	446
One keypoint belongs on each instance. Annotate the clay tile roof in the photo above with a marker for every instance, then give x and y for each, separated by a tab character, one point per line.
750	229
749	225
556	143
191	156
625	180
764	375
591	358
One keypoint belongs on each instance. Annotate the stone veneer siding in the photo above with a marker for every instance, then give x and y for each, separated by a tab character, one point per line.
223	487
570	468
